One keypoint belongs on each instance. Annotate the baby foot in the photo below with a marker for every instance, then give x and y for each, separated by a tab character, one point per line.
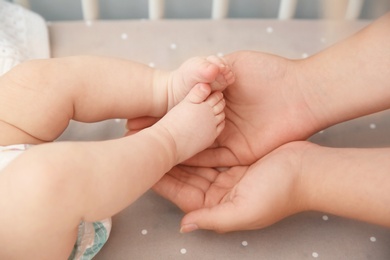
211	70
195	122
171	87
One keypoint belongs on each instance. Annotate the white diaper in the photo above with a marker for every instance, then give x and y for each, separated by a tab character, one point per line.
91	235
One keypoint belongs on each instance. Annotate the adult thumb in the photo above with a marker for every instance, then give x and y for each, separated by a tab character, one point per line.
221	218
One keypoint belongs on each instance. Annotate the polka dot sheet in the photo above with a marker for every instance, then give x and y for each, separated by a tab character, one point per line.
149	228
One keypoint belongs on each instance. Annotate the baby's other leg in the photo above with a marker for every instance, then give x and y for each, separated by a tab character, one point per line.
211	70
49	189
195	122
172	87
37	221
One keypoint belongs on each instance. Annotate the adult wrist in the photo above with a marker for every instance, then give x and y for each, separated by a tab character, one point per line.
312	85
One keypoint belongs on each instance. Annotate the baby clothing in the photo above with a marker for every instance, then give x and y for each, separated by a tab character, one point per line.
23	36
91	238
91	235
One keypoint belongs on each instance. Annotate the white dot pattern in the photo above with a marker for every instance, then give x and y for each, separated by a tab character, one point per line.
312	249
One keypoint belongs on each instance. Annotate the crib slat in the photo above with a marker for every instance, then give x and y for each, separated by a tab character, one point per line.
354	9
287	9
220	9
24	3
156	9
90	9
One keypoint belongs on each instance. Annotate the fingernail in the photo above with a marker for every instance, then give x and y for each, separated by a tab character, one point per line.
188	228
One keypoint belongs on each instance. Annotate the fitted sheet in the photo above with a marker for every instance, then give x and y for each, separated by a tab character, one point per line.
149	228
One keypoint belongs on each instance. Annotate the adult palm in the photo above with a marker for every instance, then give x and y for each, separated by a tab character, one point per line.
265	108
240	197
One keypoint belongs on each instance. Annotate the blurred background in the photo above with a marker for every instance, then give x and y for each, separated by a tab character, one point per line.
63	10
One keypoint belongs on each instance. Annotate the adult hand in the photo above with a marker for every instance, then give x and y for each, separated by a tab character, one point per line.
240	198
265	108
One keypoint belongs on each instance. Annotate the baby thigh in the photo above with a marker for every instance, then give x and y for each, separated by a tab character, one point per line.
36	221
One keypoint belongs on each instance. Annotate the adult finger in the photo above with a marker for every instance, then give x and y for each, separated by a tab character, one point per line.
224	217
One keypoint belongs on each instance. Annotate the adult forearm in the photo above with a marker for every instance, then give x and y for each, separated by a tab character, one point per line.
351	78
353	183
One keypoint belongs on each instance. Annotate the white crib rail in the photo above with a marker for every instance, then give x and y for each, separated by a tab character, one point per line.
287	9
156	9
219	9
90	9
354	9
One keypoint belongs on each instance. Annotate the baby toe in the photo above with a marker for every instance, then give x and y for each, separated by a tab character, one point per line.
217	61
219	107
220	117
214	99
199	93
221	124
220	83
229	77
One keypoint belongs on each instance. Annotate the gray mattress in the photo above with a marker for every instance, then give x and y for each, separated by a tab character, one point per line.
149	229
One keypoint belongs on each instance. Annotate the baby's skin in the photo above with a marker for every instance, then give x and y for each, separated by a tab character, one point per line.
195	122
53	186
89	89
171	87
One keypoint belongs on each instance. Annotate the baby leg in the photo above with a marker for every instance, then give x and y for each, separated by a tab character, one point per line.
172	87
195	122
211	70
36	221
49	189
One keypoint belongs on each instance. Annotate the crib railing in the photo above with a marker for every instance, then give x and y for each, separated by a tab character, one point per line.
287	9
